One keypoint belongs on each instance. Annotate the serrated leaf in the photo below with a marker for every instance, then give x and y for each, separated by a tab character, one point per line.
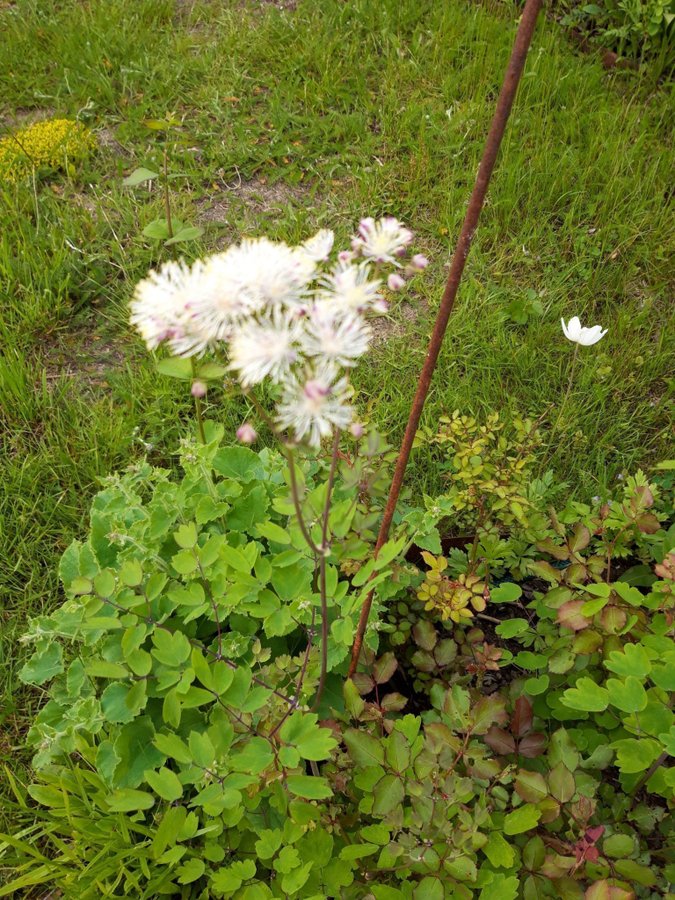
388	793
365	749
309	786
522	819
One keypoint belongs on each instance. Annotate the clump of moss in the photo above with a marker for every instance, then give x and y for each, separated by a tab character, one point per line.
52	144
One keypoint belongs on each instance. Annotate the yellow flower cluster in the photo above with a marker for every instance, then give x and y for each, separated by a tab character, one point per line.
53	144
451	598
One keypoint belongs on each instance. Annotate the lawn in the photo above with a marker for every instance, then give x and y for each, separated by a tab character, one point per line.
298	116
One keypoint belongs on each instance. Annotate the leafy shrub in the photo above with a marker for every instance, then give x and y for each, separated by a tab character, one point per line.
524	753
637	29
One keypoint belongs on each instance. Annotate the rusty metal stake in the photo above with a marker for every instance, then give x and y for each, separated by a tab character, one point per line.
514	71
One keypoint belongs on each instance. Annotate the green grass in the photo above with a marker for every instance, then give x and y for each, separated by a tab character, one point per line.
330	111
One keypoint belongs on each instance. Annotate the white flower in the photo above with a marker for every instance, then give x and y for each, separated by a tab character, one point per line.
382	241
311	409
318	248
574	331
268	346
162	308
335	335
350	287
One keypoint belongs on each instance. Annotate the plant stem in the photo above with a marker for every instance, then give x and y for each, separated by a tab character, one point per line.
567	392
167	199
322	570
290	459
198	408
648	774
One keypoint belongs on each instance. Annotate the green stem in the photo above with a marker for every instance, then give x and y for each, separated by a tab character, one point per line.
198	408
167	199
322	571
290	459
567	392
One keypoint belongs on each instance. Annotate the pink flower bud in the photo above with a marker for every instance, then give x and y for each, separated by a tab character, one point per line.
356	429
395	282
198	389
246	433
345	256
419	261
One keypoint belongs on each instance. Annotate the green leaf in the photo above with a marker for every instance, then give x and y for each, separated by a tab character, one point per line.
239	463
168	829
293	881
273	532
587	696
636	755
171	745
635	873
629	695
531	786
501	887
309	786
190	871
104	583
121	703
186	536
171	649
131	572
506	592
499	851
397	752
632	660
388	793
128	800
230	878
139	176
365	749
165	783
522	819
158	229
561	782
618	846
312	741
536	686
175	367
44	664
512	628
189	233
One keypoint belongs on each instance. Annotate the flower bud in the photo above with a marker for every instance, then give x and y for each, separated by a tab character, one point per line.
419	261
356	429
395	282
198	389
246	433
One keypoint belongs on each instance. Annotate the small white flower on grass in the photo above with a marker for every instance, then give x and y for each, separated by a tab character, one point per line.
383	240
336	336
312	408
350	287
268	346
318	247
162	309
574	331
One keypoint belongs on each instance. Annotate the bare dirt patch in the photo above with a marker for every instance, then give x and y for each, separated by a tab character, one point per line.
86	358
242	206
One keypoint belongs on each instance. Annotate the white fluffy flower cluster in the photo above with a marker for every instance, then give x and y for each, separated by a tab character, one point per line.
284	313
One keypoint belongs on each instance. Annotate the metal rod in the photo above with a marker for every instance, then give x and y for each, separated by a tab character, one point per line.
512	77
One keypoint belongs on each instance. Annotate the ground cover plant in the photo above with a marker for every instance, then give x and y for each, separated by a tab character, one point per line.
278	134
